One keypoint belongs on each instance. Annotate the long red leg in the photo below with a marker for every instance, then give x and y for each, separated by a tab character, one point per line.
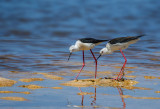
82	66
94	101
96	64
82	96
121	73
121	93
122	70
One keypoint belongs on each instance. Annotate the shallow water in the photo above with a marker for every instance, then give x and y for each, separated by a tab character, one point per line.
35	36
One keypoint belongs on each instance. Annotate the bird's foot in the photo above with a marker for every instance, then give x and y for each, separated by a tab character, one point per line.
115	78
118	79
75	80
108	78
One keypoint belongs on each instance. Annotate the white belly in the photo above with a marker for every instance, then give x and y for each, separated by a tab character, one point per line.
116	47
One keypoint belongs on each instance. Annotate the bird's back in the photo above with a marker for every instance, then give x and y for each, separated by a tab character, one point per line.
125	39
88	43
91	40
122	42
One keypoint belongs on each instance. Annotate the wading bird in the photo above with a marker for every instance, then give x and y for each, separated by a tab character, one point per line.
85	44
119	44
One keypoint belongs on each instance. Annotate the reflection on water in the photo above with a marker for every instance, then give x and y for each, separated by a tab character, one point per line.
121	94
35	36
93	102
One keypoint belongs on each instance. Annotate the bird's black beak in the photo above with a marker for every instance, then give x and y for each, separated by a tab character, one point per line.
99	56
69	55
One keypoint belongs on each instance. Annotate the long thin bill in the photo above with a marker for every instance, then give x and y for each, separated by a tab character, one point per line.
69	56
99	56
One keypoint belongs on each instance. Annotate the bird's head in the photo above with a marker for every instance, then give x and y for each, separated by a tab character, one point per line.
103	51
72	48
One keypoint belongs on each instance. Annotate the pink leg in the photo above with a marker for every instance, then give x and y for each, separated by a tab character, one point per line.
82	66
94	101
96	63
121	73
82	96
121	93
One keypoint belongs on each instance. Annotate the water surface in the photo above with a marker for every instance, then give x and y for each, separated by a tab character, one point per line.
35	36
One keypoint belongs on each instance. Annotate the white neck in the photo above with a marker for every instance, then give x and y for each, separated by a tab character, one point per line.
74	48
107	51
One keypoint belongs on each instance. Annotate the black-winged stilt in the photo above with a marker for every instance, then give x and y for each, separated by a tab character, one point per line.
85	44
119	44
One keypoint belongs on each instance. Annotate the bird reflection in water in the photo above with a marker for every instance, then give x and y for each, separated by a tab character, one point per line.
120	91
82	96
94	101
94	97
121	95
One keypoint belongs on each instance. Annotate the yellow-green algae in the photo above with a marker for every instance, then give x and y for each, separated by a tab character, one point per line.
49	76
100	82
157	91
14	92
150	77
56	87
31	79
6	82
85	93
32	86
128	96
14	98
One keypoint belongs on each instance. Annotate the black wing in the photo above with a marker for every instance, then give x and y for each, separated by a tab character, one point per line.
91	40
124	39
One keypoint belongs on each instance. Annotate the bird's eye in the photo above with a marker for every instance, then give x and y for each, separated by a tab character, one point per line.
102	52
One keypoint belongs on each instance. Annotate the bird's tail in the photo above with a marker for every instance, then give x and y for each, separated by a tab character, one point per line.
140	36
103	40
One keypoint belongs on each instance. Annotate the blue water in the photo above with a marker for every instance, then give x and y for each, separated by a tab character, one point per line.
35	36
